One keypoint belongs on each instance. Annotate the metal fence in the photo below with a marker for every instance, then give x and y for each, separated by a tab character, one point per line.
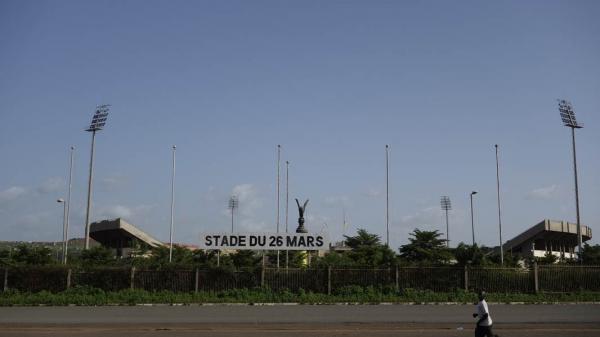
323	280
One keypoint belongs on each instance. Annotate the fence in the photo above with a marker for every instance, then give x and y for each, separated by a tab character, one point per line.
324	280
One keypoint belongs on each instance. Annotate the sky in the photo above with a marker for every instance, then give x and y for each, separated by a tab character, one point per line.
333	82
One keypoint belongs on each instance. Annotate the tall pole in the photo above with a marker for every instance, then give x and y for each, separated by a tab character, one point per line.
278	180
387	196
472	221
62	201
287	202
172	206
499	210
89	196
579	238
67	209
447	231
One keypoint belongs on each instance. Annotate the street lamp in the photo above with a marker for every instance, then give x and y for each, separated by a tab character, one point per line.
233	204
387	195
98	122
68	209
568	118
499	214
472	222
446	206
172	206
62	201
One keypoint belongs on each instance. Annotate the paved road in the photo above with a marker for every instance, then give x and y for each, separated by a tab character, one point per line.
297	320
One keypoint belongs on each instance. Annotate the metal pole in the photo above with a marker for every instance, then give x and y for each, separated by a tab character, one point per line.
172	206
287	202
579	238
278	179
89	196
68	211
387	197
499	212
64	230
447	231
472	222
232	208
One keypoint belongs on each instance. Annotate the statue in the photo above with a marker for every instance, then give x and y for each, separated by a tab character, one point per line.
301	210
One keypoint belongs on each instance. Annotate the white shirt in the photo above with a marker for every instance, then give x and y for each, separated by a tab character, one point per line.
482	308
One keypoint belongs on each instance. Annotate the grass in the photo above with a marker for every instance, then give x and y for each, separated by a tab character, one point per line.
353	294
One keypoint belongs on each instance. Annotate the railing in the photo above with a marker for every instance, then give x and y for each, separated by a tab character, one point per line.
547	278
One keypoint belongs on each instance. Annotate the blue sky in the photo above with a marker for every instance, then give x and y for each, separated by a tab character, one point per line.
331	81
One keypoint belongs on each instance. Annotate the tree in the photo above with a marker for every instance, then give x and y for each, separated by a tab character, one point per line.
367	250
591	254
97	256
472	255
33	255
426	247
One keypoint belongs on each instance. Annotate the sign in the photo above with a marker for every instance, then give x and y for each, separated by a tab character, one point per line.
264	241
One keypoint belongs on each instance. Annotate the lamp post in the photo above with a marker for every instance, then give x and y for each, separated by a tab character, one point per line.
233	204
446	206
499	213
472	222
172	206
568	118
68	209
98	122
387	196
62	201
278	193
287	202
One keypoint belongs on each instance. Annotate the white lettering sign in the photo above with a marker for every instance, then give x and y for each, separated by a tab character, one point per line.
264	241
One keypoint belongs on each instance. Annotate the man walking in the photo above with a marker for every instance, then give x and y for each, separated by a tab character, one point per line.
484	320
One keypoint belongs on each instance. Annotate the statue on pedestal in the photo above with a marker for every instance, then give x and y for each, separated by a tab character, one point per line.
301	210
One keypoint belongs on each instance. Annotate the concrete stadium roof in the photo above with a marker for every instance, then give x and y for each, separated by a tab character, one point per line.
117	231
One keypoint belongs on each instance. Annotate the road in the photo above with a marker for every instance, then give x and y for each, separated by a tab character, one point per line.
580	320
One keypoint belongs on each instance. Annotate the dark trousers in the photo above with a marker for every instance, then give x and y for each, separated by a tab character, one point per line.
484	331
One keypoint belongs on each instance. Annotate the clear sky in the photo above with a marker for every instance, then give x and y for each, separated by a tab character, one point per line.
331	81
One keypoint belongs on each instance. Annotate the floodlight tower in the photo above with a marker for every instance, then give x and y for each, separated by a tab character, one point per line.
233	204
97	124
568	118
446	206
67	209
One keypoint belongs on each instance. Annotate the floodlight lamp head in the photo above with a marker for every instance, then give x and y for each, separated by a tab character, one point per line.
233	202
445	203
59	200
99	118
567	114
474	192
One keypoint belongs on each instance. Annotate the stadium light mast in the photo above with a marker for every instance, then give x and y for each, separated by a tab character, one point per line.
568	118
446	206
472	221
97	124
172	205
233	204
64	204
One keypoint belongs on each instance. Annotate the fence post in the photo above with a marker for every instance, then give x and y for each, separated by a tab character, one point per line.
536	282
262	277
69	278
132	278
328	280
5	279
466	278
397	279
196	279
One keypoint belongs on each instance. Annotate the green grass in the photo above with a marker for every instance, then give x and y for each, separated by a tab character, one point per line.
354	294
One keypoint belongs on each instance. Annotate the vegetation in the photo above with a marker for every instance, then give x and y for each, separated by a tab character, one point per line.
352	294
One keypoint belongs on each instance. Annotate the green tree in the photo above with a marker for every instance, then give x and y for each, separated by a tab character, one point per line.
30	255
246	259
591	254
96	256
426	247
472	255
367	250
